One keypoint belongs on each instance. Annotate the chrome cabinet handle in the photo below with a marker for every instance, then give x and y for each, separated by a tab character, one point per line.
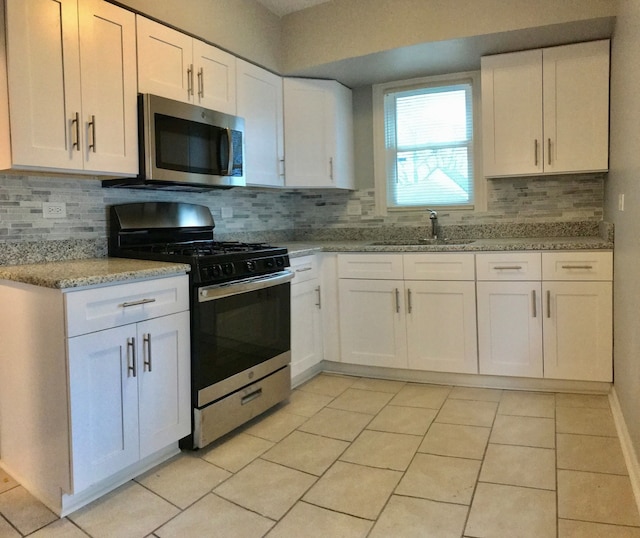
548	303
131	357
92	125
535	152
303	269
201	83
146	362
397	301
75	143
548	151
409	301
136	303
319	303
190	79
331	168
535	303
508	267
577	266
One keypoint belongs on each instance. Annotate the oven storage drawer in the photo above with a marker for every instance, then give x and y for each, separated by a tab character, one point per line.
226	414
105	307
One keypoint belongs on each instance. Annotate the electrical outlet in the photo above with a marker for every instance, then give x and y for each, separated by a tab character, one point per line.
54	210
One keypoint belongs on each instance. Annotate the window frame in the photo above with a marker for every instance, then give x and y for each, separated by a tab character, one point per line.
379	149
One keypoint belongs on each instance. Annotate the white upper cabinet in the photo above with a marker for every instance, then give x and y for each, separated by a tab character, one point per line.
546	111
259	94
318	133
176	66
72	87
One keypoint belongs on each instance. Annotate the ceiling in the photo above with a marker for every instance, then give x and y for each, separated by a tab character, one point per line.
284	7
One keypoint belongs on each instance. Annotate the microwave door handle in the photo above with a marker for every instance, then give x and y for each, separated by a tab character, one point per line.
229	171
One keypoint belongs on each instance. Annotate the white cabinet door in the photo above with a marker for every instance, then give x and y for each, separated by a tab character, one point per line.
164	381
441	326
318	134
306	326
510	328
260	103
72	86
165	61
44	83
109	103
214	78
372	323
512	113
576	107
547	110
103	395
176	66
578	328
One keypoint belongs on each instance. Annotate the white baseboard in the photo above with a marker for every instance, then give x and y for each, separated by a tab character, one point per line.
629	452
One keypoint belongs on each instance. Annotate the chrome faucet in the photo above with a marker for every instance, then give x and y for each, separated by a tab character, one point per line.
433	217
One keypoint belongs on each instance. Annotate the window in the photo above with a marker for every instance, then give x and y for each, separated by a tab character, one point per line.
425	153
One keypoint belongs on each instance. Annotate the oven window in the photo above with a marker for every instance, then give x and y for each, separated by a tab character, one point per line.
235	333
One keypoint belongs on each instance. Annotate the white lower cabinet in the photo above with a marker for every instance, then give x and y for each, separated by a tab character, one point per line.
127	393
111	395
509	328
556	325
372	323
306	321
418	324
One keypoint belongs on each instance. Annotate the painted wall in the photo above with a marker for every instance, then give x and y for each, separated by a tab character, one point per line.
349	28
624	178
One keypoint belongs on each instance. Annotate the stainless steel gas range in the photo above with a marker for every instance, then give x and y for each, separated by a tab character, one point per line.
240	310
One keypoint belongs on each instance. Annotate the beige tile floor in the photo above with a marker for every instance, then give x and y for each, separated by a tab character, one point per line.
354	457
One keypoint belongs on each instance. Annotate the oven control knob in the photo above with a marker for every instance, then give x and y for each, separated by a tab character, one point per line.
280	262
215	271
270	263
228	269
251	266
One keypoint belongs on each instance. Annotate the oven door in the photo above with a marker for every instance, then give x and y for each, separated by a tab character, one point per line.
241	333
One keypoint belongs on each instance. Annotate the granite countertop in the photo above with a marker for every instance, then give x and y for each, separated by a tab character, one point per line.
88	272
299	248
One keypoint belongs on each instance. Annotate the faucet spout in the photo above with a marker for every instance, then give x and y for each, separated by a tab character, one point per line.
433	217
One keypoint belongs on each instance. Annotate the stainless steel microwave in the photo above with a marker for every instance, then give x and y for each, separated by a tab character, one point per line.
186	147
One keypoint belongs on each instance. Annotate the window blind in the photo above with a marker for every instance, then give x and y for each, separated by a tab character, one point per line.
429	146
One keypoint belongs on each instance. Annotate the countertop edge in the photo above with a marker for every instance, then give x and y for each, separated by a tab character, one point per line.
306	248
73	274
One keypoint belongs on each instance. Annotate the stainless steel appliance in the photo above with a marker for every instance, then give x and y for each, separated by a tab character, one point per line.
186	147
240	310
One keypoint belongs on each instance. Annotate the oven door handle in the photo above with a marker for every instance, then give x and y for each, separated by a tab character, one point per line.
209	293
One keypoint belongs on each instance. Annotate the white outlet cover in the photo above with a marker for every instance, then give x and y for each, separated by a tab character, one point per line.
54	210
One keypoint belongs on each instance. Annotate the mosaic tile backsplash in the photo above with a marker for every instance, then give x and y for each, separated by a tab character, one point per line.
263	214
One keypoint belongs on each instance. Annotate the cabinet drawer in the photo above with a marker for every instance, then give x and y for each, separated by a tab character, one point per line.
305	268
509	266
104	307
370	266
582	265
439	266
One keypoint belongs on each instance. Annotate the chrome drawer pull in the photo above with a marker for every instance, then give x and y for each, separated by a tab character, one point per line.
508	267
136	303
319	303
303	269
409	301
131	357
146	361
535	304
577	266
397	301
548	303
